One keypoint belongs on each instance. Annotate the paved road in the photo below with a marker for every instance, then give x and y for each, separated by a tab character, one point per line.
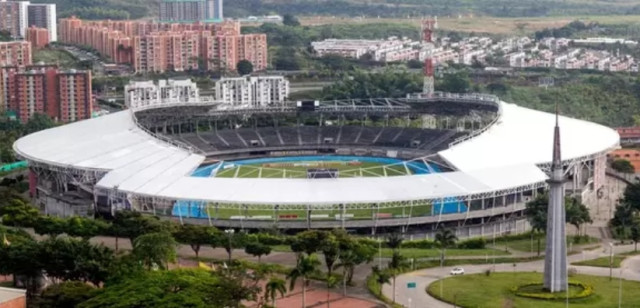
410	297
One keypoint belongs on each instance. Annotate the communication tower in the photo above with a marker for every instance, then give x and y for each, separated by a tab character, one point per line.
428	27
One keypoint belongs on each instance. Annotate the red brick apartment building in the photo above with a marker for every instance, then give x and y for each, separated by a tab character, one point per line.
38	37
160	47
65	96
15	53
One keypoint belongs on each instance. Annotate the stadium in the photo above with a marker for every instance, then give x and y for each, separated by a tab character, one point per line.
469	162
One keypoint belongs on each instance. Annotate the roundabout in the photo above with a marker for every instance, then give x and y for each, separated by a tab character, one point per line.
476	289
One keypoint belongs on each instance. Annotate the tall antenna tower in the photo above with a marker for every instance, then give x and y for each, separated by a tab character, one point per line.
428	27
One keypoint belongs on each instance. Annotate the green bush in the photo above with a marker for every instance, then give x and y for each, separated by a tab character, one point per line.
474	243
271	240
420	244
587	290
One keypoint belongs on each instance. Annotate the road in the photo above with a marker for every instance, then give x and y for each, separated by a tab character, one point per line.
409	297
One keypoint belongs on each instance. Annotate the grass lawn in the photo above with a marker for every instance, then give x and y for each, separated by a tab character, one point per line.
54	56
6	284
604	261
526	244
366	169
495	291
416	210
434	253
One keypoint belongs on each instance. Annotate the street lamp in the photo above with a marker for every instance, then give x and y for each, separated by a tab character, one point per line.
610	261
229	233
620	288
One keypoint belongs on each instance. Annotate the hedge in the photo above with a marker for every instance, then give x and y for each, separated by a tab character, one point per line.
587	290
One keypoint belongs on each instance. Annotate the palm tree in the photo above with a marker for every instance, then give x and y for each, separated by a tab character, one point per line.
394	241
445	238
397	265
274	286
307	265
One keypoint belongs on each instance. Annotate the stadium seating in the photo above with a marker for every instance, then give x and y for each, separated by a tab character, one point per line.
416	139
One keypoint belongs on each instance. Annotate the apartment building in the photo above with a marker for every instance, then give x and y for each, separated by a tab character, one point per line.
64	96
38	37
14	17
190	10
252	90
140	94
43	15
15	53
160	47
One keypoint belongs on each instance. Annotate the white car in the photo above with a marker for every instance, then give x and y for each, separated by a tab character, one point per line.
457	271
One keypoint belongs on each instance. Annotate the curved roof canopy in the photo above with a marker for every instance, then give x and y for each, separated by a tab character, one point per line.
501	158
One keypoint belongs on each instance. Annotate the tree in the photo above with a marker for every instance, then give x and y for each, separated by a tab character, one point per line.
85	228
50	225
635	235
195	236
229	241
396	266
536	211
38	122
394	241
576	213
23	262
257	250
158	248
353	254
622	165
65	294
415	64
131	224
274	286
174	288
290	20
19	213
445	239
382	277
305	267
66	258
455	83
244	67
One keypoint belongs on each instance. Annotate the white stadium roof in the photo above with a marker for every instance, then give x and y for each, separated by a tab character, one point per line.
503	157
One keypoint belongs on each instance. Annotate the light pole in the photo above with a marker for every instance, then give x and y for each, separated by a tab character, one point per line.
610	261
229	233
380	253
620	288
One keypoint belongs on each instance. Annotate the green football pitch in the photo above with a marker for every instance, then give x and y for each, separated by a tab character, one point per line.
365	169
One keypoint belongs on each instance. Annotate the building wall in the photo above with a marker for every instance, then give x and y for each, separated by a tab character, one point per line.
62	95
160	47
44	16
16	53
252	91
14	17
38	37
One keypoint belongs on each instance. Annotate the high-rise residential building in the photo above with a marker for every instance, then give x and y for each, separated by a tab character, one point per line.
191	10
43	15
252	90
62	95
38	37
15	53
75	97
160	47
13	17
140	94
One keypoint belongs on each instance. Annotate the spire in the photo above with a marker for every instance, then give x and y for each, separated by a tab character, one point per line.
557	160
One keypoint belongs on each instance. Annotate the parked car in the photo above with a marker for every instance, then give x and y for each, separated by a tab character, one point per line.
457	271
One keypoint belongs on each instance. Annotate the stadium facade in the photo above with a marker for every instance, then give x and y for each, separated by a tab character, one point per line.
491	157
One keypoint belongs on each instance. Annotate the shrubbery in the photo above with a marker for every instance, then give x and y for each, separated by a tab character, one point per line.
474	243
587	290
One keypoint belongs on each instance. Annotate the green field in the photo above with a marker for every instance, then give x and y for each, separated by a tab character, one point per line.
604	261
54	56
463	291
416	210
529	245
365	169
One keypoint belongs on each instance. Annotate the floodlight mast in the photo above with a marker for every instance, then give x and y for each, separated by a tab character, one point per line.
428	27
